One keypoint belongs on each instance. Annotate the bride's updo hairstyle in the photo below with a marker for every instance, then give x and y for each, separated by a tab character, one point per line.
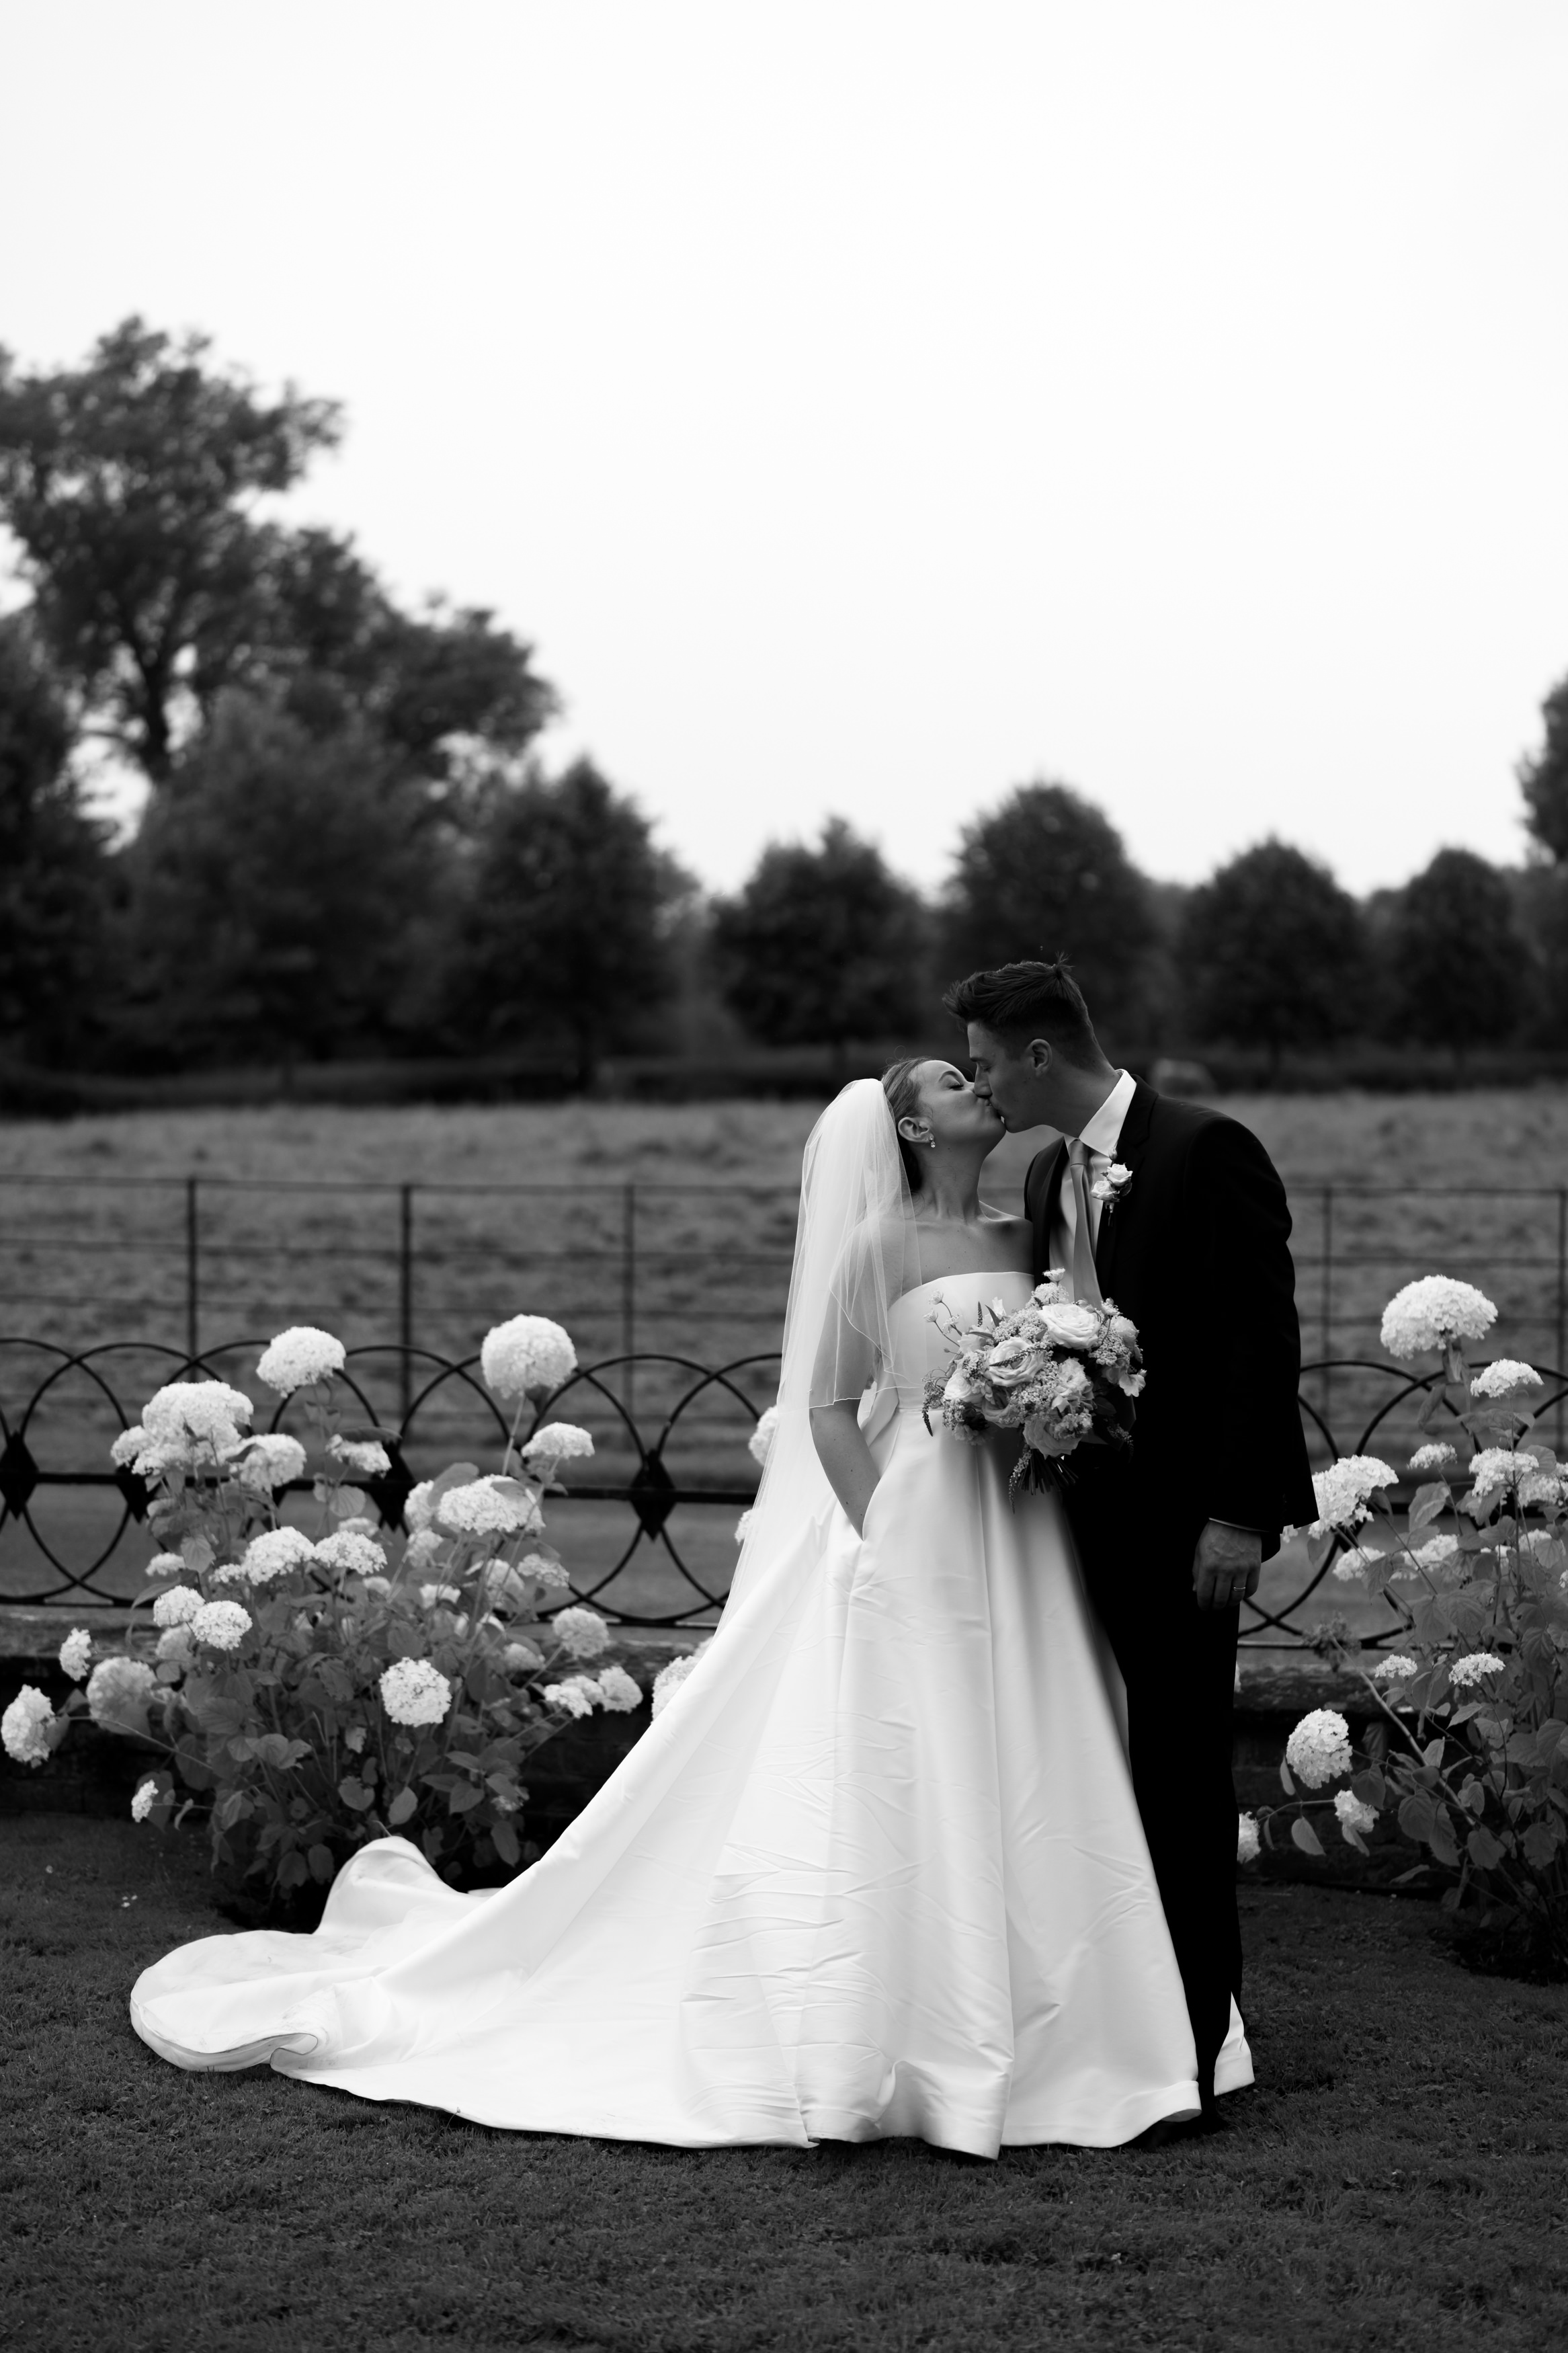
902	1085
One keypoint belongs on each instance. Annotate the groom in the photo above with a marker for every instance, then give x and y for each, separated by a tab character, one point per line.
1175	1213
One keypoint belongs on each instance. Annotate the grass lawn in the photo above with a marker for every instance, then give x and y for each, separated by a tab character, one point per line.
1400	2178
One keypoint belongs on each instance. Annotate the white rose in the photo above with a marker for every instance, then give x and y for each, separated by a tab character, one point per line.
1013	1362
1070	1326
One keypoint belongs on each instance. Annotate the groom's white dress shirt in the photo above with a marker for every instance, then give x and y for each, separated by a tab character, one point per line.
1101	1133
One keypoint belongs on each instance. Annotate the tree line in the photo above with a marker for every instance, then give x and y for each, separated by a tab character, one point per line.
349	846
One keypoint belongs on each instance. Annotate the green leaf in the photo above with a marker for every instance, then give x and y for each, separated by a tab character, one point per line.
1540	1843
1442	1841
1305	1836
233	1807
320	1860
355	1796
1416	1818
506	1843
1371	1788
402	1807
1485	1851
465	1797
292	1869
1427	1503
1286	1782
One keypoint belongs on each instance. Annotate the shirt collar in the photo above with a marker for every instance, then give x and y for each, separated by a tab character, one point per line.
1102	1133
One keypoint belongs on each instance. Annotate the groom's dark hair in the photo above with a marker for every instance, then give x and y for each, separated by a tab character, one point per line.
1020	1001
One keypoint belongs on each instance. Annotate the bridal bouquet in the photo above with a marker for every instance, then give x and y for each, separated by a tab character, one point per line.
1061	1373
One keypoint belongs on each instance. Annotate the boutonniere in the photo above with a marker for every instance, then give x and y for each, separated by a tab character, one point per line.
1113	1185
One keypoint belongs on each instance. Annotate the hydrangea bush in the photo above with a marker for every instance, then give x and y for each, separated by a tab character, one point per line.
314	1691
1469	1743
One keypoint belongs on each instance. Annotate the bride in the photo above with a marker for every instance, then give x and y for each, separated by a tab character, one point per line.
877	1868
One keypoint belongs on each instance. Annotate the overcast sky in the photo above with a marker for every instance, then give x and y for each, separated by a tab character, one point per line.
867	407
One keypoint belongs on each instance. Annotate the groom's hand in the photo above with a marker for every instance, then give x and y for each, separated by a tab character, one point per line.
1226	1566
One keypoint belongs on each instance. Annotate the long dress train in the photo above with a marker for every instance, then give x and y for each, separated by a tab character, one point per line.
875	1870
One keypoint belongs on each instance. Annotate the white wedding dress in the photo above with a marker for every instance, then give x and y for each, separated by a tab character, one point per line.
877	1868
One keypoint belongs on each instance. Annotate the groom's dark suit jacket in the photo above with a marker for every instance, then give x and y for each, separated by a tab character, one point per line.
1196	1252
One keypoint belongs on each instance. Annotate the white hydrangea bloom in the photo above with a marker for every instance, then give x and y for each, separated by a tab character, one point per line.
1435	1455
1319	1749
174	1643
1498	1466
618	1692
489	1506
549	1573
297	1356
413	1691
1354	1814
1546	1488
275	1553
347	1549
176	1607
144	1801
1505	1378
437	1597
1395	1669
127	1446
669	1680
1428	1313
1540	1543
1341	1490
760	1444
1355	1562
504	1586
25	1725
576	1694
527	1354
207	1411
743	1525
418	1506
558	1441
268	1461
521	1658
223	1624
119	1687
1475	1667
1439	1552
582	1634
166	1564
1248	1844
368	1456
76	1653
422	1546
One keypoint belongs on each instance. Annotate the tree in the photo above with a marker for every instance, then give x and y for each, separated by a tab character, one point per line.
53	869
132	485
1462	971
821	946
1543	779
274	883
564	920
1272	953
1046	873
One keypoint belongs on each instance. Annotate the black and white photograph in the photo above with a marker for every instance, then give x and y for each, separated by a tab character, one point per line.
783	1176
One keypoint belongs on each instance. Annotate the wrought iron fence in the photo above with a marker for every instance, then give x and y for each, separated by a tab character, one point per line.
649	1538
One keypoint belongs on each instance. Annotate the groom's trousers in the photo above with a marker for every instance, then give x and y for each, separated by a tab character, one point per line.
1179	1665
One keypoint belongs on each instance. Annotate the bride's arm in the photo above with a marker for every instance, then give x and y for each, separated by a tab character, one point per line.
851	1465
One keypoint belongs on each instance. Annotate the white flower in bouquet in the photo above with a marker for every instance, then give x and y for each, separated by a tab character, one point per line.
437	1597
268	1462
296	1357
1248	1844
1341	1490
493	1505
176	1606
223	1624
525	1355
545	1571
1436	1455
618	1692
1432	1312
1354	1814
1319	1749
143	1801
1505	1378
1496	1467
558	1441
1395	1669
209	1413
76	1653
1069	1325
1013	1362
275	1553
119	1689
174	1643
25	1726
413	1692
582	1634
759	1446
1475	1667
743	1525
521	1658
368	1456
166	1564
356	1554
576	1694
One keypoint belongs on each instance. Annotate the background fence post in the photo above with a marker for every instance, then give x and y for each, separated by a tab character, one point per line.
629	1285
406	1294
192	1272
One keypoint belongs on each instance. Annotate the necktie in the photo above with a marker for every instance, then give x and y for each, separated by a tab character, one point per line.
1085	1281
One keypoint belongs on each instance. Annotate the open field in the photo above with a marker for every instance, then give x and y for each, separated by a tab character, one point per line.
1397	2175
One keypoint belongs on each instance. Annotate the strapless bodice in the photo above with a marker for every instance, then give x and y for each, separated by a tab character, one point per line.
919	1348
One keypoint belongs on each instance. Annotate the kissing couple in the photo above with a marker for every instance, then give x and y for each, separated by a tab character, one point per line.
938	1837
